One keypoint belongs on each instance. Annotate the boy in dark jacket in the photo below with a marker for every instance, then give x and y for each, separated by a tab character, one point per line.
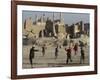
82	57
68	54
32	55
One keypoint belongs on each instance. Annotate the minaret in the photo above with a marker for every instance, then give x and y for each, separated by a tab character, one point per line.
25	24
82	25
54	26
36	18
53	16
43	17
60	17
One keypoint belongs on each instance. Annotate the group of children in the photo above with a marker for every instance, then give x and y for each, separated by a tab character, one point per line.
75	48
68	52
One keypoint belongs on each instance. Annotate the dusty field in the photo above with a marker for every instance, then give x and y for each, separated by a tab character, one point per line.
48	60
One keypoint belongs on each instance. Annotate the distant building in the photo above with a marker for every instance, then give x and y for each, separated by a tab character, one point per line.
70	30
49	28
87	28
35	28
60	29
75	30
78	29
44	28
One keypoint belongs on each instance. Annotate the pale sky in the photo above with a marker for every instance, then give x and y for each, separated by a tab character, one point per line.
69	18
